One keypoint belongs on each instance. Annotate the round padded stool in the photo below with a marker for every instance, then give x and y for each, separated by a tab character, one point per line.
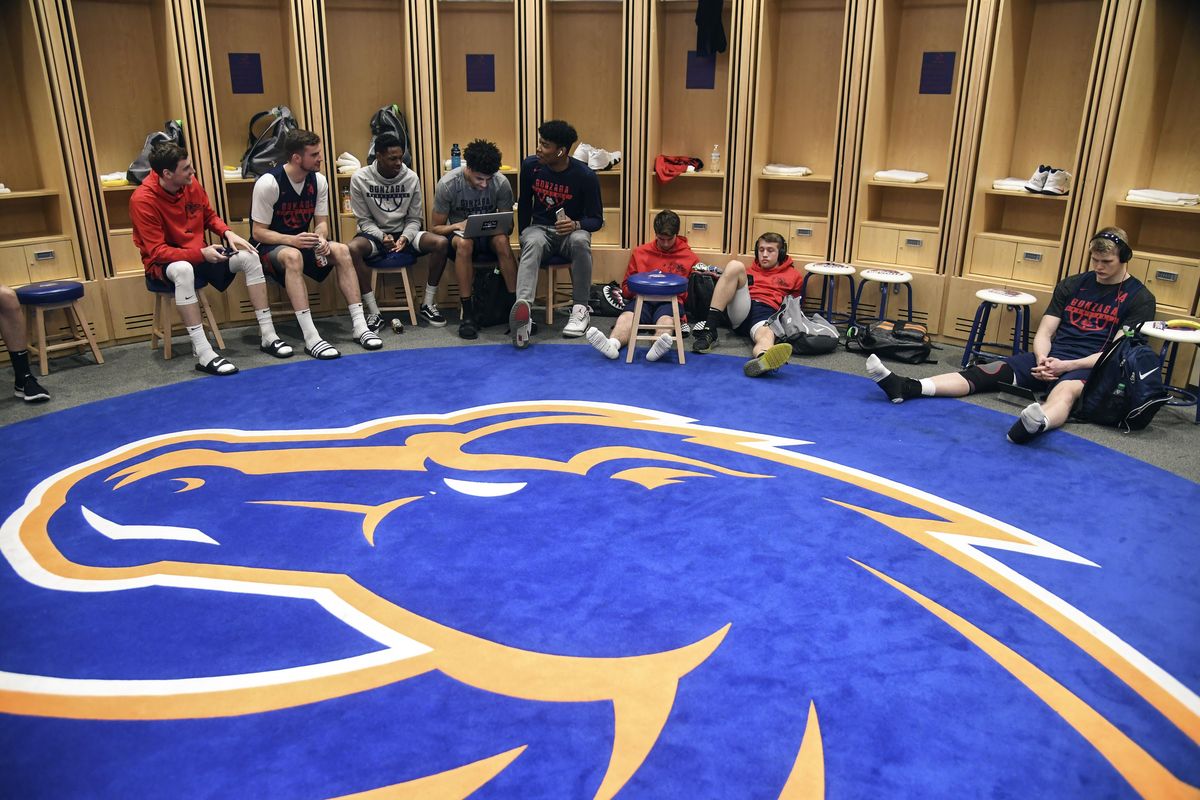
388	264
53	296
556	295
830	271
1019	302
162	324
886	278
656	287
1172	334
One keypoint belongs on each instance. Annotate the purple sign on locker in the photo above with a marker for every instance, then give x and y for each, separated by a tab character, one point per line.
481	72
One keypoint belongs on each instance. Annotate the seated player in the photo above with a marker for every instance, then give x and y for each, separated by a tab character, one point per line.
748	296
12	330
286	201
170	212
1083	313
670	253
386	199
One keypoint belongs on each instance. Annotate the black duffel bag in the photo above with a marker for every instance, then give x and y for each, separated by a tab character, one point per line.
898	341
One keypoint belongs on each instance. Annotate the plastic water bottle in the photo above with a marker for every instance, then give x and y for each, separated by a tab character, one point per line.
455	156
714	161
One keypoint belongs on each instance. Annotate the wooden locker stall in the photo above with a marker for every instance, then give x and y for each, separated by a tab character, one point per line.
37	225
1156	147
261	53
914	93
798	110
584	53
688	122
1038	112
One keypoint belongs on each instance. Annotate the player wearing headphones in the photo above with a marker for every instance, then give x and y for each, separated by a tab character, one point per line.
558	209
1083	313
748	296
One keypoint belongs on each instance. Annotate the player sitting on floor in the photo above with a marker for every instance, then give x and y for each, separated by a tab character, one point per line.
1083	313
748	296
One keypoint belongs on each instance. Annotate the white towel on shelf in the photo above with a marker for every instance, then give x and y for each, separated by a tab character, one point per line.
234	172
1009	184
4	189
344	169
113	176
786	169
1162	197
901	176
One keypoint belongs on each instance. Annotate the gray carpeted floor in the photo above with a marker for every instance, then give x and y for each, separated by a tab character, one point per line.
1172	442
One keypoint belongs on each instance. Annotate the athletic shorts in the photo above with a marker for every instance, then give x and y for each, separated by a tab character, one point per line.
1023	363
651	312
483	247
413	248
218	276
746	315
275	270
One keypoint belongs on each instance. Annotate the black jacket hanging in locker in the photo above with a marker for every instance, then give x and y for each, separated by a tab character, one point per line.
710	31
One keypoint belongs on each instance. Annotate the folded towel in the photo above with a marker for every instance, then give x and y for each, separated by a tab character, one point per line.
347	170
901	176
1009	184
785	169
232	172
113	176
1163	197
4	189
348	160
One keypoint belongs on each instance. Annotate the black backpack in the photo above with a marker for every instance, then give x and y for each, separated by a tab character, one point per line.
699	295
140	168
490	297
1125	388
264	150
390	119
607	300
900	341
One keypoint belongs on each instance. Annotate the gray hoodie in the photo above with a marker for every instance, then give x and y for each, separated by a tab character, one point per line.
385	205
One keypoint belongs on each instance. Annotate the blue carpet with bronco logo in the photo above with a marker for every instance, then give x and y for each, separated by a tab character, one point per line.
481	572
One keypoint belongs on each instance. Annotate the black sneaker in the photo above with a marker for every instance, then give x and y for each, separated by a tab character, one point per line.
467	329
375	322
430	314
704	340
31	391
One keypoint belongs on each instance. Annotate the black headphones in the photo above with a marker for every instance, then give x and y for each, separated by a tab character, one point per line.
1124	251
782	247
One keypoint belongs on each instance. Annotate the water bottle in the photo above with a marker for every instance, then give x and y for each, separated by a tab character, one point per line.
714	161
455	156
346	207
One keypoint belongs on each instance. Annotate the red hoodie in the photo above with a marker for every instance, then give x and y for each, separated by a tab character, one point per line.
170	227
770	286
679	260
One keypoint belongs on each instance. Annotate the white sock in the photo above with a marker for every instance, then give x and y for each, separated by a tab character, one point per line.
662	345
368	299
200	346
266	328
927	387
611	348
307	329
876	371
1033	419
430	294
357	320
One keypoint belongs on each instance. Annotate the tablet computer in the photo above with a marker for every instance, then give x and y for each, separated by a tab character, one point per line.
488	224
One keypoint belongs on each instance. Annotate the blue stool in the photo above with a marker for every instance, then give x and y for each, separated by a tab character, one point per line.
885	278
1019	302
657	287
830	271
162	324
54	296
389	263
556	296
1171	338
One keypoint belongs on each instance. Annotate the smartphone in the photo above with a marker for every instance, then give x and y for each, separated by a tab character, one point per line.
561	214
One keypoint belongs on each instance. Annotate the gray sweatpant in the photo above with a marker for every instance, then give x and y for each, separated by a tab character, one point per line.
539	242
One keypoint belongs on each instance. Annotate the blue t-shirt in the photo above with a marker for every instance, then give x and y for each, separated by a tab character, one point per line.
1090	311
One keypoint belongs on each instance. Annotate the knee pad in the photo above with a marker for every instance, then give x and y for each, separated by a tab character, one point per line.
986	377
250	265
183	276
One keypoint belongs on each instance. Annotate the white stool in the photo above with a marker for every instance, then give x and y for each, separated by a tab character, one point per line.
885	278
1171	338
830	271
1019	302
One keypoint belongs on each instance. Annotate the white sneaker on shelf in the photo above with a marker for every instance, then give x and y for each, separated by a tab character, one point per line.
1038	181
1058	182
579	321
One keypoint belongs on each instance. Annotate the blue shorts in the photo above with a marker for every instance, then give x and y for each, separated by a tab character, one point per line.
1023	363
759	312
272	267
218	276
651	312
